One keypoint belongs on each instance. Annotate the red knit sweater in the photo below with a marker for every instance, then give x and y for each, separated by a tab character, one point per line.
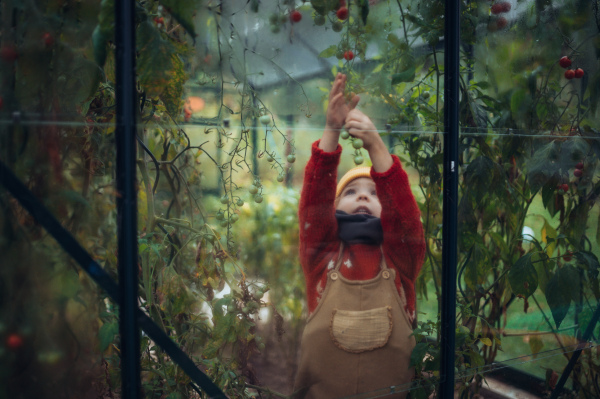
403	239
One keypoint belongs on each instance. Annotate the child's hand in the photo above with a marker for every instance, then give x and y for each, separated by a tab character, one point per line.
360	126
338	106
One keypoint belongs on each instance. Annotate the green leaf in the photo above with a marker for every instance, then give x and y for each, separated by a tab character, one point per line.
587	259
571	281
364	10
522	277
183	12
584	318
418	353
517	101
100	44
536	345
405	76
328	52
558	298
107	334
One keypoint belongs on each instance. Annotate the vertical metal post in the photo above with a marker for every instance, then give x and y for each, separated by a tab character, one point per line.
450	201
127	198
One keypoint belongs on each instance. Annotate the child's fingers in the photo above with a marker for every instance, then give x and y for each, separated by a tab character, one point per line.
354	99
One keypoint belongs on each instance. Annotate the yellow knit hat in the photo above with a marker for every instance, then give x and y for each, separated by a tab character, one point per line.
352	174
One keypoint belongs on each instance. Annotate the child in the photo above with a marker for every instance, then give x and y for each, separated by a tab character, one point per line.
361	249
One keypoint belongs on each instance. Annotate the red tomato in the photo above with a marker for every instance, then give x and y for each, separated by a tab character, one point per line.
296	16
501	22
342	13
14	341
565	62
577	173
47	39
348	55
569	74
565	187
8	53
579	73
579	165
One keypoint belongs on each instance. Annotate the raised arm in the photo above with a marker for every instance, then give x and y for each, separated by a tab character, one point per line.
403	239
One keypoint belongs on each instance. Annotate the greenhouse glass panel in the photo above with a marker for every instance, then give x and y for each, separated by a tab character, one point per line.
57	151
528	217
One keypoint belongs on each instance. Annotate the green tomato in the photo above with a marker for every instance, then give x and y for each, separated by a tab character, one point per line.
265	119
225	199
275	28
357	143
270	158
291	158
319	20
280	178
253	189
283	18
273	18
258	198
358	160
224	223
240	202
345	135
219	216
339	55
425	95
337	26
235	217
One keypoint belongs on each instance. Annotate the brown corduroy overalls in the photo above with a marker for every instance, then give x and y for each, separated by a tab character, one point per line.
357	341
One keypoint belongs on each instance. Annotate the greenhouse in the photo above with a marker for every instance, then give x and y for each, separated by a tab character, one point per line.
300	199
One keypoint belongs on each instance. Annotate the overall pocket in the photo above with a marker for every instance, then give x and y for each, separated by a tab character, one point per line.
358	331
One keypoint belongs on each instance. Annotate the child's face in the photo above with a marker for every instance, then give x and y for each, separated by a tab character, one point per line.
360	197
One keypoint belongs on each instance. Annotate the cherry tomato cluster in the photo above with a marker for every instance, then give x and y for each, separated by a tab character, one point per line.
565	62
562	188
159	21
578	172
348	55
14	341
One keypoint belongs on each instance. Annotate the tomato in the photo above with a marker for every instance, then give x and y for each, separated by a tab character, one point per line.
14	341
357	143
569	74
270	158
258	198
296	16
565	187
500	7
348	55
358	160
578	173
253	189
579	165
225	199
280	178
240	202
265	119
564	62
47	39
342	13
579	73
8	53
319	20
501	22
337	26
291	158
345	135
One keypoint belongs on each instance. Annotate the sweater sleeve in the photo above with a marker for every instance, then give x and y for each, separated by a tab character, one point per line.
316	212
403	237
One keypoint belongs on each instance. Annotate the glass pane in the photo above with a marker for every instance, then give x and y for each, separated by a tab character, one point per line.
57	137
528	218
222	176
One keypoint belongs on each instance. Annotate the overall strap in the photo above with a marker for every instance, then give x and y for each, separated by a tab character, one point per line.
338	262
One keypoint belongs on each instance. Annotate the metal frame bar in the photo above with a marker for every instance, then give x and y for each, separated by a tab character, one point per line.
127	199
450	196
